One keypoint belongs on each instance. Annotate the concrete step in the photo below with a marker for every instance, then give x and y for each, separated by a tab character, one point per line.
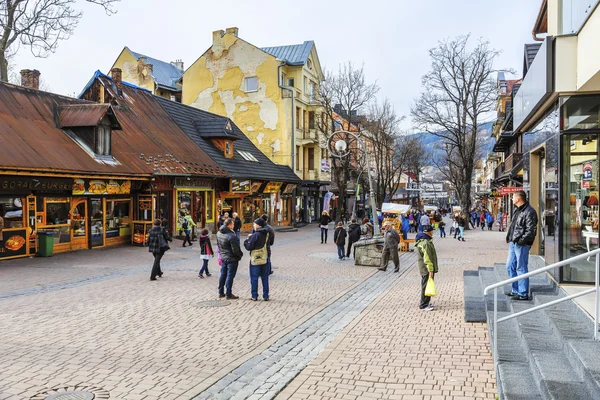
474	302
584	356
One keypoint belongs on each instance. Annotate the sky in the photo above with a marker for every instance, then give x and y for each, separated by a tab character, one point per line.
391	38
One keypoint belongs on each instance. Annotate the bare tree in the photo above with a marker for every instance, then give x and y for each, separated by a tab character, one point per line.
348	92
39	25
458	92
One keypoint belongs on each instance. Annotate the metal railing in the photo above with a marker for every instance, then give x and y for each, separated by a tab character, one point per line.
498	285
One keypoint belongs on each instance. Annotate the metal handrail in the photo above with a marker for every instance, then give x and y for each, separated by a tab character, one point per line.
536	272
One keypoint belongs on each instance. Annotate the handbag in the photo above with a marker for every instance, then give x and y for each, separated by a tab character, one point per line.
259	256
164	246
430	289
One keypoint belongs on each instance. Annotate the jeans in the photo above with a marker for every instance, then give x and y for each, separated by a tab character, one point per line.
461	232
424	299
204	267
518	258
228	271
261	271
341	253
237	233
324	235
442	232
156	271
405	234
187	237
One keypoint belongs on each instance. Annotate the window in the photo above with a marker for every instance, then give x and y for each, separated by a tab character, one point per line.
57	211
297	158
283	79
209	205
291	82
305	85
11	209
311	91
311	120
311	158
247	156
309	64
252	84
303	118
103	140
228	149
297	117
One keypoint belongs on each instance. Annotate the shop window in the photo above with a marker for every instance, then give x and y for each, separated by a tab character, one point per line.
118	217
209	206
11	210
580	113
145	208
57	211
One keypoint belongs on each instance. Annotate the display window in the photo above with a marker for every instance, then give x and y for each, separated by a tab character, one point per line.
57	211
97	222
580	210
251	209
118	218
11	210
210	201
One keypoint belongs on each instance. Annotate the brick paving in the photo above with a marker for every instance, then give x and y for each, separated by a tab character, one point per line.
93	318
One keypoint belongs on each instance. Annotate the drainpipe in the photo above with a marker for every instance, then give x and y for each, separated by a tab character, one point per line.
281	64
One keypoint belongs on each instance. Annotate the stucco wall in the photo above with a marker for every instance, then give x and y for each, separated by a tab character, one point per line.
588	57
134	71
565	64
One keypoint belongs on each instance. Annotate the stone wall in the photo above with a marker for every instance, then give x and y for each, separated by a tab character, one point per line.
367	252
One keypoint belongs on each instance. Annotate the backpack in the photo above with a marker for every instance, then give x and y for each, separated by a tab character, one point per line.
184	224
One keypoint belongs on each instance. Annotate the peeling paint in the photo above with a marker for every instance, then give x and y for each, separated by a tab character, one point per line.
243	108
276	146
250	129
259	137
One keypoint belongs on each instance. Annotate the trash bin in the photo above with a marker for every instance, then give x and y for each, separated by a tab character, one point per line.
46	244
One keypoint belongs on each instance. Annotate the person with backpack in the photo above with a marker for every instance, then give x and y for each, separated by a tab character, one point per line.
187	224
339	237
353	235
206	252
258	246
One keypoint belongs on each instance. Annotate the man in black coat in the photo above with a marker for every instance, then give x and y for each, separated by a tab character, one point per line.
231	254
520	235
237	224
353	235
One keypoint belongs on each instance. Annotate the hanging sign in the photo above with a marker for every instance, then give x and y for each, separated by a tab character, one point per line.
588	171
509	190
240	186
272	187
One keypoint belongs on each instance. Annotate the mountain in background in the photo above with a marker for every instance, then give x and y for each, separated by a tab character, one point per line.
433	142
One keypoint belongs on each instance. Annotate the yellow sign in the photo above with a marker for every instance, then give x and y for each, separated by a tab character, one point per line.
97	187
272	187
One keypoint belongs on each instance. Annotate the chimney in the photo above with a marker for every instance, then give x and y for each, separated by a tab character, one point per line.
115	74
30	79
217	35
177	64
233	30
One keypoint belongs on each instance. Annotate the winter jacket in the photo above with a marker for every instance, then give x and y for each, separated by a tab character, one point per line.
257	240
523	227
190	222
366	229
354	232
339	236
391	238
427	256
424	220
229	245
205	245
405	224
488	218
461	221
324	220
154	236
237	224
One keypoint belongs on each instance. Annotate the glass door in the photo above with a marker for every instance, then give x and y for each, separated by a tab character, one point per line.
97	222
580	205
78	223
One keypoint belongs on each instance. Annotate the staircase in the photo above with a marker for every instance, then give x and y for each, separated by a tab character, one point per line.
547	354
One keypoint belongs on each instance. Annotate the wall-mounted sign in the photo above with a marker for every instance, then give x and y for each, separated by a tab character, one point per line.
240	186
588	171
509	190
289	189
255	186
193	183
325	165
99	187
14	243
27	184
162	183
272	187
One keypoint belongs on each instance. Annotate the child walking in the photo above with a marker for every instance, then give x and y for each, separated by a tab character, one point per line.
206	252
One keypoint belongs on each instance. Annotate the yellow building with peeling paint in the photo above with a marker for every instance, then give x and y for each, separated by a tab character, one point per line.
161	78
270	93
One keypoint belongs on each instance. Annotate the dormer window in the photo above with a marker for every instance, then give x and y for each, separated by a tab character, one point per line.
228	149
103	140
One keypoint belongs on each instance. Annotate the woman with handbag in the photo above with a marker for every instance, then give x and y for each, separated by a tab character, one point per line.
157	245
324	225
257	244
206	252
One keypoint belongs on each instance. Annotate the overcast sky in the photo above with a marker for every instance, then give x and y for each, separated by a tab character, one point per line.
391	37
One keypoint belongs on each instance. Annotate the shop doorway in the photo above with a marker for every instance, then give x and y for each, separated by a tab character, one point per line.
97	222
79	217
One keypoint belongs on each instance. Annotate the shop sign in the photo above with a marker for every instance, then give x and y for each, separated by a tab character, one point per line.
325	165
508	190
193	183
15	183
272	187
162	184
240	186
98	187
255	186
289	189
588	171
14	243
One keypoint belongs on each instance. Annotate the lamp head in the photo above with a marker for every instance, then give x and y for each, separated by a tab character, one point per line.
341	146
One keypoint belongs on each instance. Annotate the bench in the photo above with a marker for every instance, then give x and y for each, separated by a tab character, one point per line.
404	244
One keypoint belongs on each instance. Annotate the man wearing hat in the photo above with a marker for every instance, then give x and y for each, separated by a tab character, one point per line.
257	244
271	232
391	239
428	265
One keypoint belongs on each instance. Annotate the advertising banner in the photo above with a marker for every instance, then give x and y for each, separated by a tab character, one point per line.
240	186
98	187
272	187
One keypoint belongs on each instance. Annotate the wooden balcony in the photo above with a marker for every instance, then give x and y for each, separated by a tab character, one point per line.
512	160
499	171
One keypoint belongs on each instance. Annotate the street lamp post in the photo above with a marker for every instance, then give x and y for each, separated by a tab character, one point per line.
340	150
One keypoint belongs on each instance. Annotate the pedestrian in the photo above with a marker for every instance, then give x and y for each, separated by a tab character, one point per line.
427	261
231	254
222	220
405	226
520	236
366	229
353	236
339	238
187	224
258	244
455	225
324	224
499	219
489	219
411	221
206	252
482	219
271	240
442	226
461	227
424	221
391	239
157	245
237	224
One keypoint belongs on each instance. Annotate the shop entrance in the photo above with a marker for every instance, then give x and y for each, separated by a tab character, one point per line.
79	217
97	222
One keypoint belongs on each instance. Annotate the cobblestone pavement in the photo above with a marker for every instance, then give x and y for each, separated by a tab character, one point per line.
92	318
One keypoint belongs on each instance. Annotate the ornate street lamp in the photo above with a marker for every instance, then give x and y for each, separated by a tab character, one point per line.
338	145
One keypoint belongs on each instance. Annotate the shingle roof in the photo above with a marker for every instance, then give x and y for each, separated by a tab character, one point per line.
296	54
531	50
215	128
165	74
187	118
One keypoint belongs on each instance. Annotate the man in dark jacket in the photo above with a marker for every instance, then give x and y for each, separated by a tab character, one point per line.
237	224
231	254
391	239
520	235
258	240
353	235
269	229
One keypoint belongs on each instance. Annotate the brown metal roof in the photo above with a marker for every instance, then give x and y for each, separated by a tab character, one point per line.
85	115
150	143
